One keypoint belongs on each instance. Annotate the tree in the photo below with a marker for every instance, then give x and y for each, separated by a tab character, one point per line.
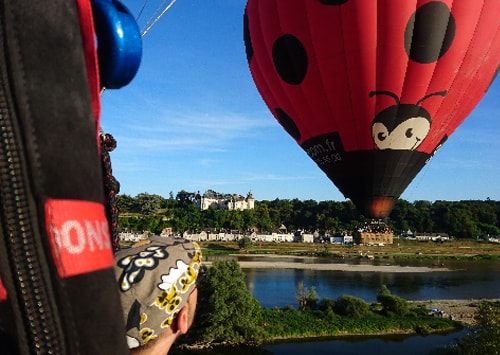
171	202
351	306
148	203
236	220
184	198
405	213
126	203
392	304
186	218
424	220
245	243
250	219
262	213
306	297
484	338
460	221
227	311
382	292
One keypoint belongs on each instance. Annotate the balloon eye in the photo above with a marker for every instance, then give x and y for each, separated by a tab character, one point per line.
409	133
381	136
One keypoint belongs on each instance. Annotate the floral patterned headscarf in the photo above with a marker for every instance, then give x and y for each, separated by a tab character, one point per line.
155	279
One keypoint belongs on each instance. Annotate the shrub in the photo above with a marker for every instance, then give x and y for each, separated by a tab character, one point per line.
245	243
326	303
382	292
392	304
351	306
329	313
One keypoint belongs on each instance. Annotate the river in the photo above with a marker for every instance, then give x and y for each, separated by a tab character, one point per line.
468	279
360	345
276	288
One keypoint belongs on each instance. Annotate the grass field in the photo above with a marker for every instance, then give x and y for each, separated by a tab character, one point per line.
406	249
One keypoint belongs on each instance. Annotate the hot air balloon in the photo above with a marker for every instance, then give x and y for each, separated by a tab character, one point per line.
371	89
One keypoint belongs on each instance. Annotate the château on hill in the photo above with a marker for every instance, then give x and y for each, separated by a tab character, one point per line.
218	201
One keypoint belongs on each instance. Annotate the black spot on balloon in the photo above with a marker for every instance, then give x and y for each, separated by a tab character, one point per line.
333	2
290	59
429	32
288	124
246	37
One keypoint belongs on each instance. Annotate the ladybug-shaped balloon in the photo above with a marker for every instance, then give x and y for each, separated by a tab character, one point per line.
370	89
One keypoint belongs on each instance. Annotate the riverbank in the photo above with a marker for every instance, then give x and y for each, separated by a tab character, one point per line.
290	324
337	267
308	263
460	310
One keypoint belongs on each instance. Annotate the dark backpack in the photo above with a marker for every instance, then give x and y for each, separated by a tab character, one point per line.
58	291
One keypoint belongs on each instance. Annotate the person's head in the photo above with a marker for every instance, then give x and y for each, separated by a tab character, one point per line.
157	286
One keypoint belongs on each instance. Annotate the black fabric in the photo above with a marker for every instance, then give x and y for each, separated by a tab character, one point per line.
363	174
134	316
8	341
47	99
366	175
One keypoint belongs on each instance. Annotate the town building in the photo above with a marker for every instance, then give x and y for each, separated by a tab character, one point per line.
374	233
423	237
217	201
434	237
341	239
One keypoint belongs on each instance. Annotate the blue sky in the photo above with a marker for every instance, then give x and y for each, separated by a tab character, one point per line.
192	119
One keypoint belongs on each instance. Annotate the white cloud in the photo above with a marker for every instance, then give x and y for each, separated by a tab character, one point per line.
190	131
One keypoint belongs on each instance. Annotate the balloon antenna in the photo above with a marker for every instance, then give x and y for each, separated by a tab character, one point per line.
388	93
393	95
440	93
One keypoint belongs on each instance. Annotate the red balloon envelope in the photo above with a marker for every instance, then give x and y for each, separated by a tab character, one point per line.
371	89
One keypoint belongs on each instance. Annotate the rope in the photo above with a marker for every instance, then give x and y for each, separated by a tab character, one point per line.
156	17
111	188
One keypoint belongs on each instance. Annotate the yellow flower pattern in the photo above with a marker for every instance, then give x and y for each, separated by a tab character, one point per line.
147	335
168	300
189	278
167	322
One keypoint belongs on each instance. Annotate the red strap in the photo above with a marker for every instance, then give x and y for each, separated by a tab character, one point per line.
3	292
78	235
90	49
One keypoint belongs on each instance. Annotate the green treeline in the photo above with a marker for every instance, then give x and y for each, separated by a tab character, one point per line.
460	219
